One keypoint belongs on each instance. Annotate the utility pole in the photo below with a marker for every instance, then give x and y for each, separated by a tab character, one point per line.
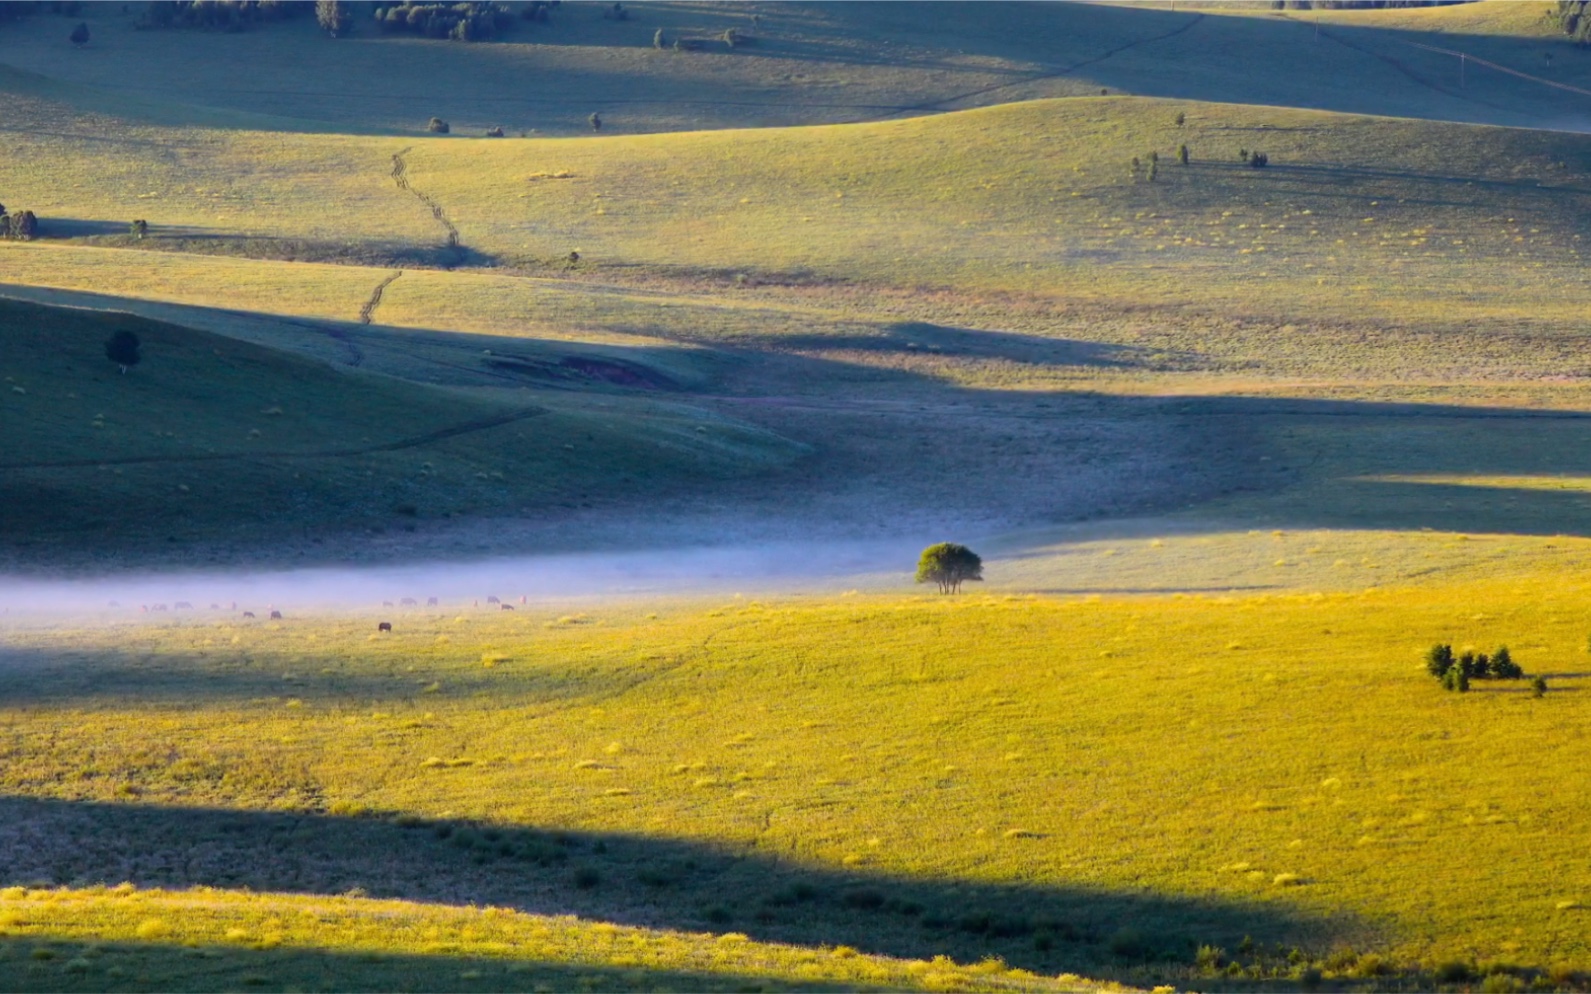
1462	58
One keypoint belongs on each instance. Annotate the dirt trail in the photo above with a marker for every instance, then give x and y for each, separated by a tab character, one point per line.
478	424
400	176
368	311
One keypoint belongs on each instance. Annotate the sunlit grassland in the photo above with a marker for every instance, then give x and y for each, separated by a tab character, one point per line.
1357	219
1273	765
113	938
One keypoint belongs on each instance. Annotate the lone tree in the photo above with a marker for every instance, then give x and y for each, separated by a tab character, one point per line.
122	349
79	35
949	566
139	229
333	17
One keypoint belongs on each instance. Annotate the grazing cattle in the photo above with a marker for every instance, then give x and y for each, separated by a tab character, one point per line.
430	602
386	603
248	614
506	607
493	600
276	616
182	606
385	626
409	602
158	607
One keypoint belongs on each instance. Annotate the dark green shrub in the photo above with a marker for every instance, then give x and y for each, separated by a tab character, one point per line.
1538	687
1182	154
122	349
1503	665
1127	943
1209	958
79	35
1258	160
595	120
1439	659
864	900
1453	972
1181	119
437	126
587	878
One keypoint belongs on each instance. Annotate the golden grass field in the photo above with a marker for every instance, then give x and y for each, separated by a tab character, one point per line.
1237	444
1081	785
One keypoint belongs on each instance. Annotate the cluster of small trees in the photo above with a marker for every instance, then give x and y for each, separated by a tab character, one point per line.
1573	18
217	15
458	21
1256	160
23	226
1456	672
948	565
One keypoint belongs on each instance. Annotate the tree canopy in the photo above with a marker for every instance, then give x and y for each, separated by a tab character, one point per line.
122	349
948	566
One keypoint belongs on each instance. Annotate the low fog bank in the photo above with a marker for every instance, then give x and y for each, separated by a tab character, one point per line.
783	566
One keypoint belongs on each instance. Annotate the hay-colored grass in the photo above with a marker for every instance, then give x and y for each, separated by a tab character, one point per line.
1140	747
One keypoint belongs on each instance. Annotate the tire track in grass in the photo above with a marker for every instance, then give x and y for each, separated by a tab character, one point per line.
400	176
441	434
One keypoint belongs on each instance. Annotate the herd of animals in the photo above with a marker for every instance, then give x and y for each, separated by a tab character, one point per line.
276	615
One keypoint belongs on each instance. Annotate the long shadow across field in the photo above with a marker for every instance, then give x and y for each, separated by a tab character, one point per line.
644	880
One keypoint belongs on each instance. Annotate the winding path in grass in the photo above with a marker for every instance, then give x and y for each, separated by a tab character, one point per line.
368	311
441	434
400	176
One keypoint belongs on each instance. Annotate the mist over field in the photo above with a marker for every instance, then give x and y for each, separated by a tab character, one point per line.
751	569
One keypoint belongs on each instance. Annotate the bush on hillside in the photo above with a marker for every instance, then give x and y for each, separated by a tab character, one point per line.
23	226
139	229
1538	687
122	349
948	566
437	125
79	35
496	132
1183	155
1439	659
1258	160
1574	19
1181	119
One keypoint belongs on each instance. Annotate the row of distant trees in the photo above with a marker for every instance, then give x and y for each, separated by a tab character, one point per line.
458	21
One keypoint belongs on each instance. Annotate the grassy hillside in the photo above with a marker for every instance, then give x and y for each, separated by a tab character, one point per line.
210	436
1396	222
1092	786
811	63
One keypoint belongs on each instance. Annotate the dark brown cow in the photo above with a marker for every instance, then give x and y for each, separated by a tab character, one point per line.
385	626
